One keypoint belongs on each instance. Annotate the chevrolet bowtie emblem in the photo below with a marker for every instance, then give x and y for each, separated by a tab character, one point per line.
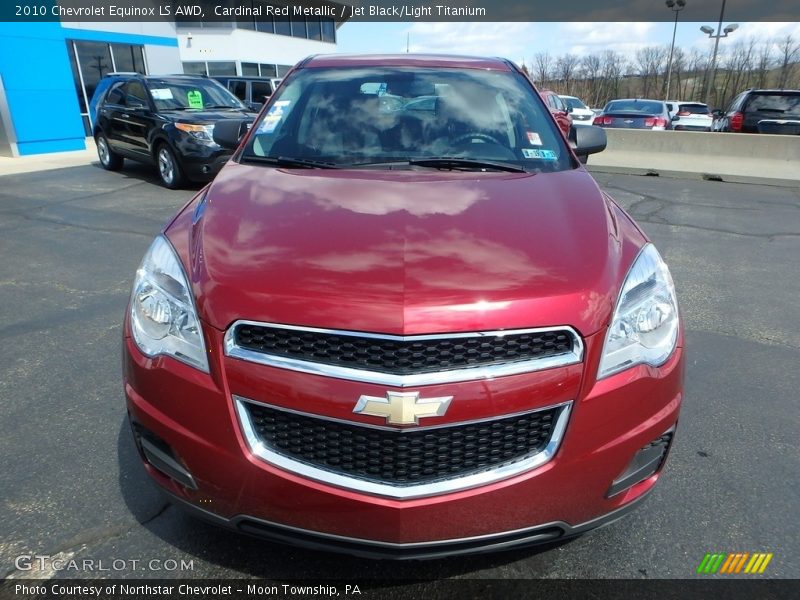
402	408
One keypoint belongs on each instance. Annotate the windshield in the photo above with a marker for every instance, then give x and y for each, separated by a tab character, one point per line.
172	94
645	107
573	103
379	117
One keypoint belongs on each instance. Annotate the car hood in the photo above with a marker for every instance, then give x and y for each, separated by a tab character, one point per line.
404	252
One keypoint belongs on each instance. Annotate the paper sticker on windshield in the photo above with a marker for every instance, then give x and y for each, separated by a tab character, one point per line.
195	99
540	154
161	94
273	116
534	139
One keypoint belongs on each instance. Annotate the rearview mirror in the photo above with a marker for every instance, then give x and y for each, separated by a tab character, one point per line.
588	140
227	133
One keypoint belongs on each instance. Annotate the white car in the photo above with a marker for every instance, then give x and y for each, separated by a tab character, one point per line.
581	114
690	116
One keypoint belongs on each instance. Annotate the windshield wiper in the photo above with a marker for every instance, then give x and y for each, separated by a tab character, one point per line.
287	161
453	162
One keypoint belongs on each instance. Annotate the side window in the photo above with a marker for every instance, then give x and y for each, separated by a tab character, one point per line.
135	95
238	88
261	91
737	103
116	94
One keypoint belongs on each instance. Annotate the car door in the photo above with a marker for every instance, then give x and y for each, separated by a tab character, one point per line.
109	116
139	119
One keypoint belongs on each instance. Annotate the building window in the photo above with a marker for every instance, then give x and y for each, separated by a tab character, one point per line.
250	69
328	31
283	69
283	26
221	68
195	68
128	59
314	29
299	27
91	61
268	70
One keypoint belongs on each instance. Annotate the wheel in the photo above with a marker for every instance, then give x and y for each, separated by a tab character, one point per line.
109	160
168	168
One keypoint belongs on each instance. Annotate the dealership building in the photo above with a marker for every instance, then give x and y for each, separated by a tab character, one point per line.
49	70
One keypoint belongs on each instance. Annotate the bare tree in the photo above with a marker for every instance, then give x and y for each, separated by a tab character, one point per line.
542	68
591	69
763	64
789	53
566	67
649	63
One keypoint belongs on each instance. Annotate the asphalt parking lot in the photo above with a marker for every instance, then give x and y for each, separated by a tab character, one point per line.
72	485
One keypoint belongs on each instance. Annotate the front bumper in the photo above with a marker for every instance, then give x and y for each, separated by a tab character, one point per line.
196	415
200	162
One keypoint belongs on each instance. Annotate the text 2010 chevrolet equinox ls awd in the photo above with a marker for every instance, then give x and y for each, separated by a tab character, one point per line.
404	321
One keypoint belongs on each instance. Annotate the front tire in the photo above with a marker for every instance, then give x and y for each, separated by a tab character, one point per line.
109	160
168	168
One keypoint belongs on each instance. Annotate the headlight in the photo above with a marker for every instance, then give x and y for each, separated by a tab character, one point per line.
203	133
163	316
644	328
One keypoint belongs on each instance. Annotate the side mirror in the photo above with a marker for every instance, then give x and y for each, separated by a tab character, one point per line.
588	140
569	109
227	133
254	106
676	118
716	113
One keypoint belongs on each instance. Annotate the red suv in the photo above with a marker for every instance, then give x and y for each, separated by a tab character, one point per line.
559	110
404	321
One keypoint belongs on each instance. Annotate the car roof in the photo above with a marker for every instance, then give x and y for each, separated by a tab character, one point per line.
406	60
772	91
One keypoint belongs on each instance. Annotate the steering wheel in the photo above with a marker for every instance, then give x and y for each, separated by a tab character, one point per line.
472	135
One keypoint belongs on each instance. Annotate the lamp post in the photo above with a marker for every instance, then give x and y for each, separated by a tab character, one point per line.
716	37
675	6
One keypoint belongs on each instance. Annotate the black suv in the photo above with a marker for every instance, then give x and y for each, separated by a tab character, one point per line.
761	111
253	91
166	121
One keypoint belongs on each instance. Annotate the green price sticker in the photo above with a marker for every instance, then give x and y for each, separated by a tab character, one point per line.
195	99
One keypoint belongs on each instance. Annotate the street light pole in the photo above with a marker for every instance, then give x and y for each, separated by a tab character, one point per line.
676	7
719	35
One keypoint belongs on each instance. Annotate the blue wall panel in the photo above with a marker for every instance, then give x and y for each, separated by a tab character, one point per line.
41	92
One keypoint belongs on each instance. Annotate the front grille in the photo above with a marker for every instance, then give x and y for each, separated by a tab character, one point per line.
402	356
402	457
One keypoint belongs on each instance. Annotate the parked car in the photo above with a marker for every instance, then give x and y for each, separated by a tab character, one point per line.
690	116
166	121
376	326
252	91
635	113
559	110
761	111
580	113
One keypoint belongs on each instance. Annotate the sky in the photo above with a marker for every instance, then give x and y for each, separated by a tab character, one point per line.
521	41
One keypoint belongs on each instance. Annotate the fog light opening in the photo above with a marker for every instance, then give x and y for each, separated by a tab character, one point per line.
162	457
646	462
